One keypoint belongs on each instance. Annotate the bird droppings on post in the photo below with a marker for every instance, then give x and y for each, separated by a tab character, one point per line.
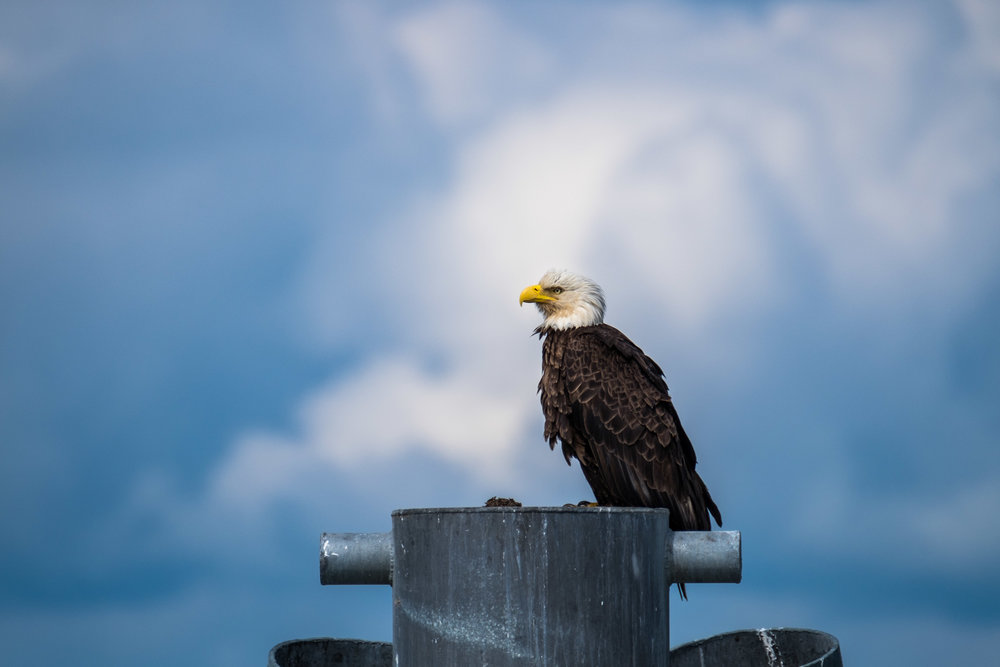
478	632
767	640
502	502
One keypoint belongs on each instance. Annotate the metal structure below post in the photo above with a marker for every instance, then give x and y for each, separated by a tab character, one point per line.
789	647
324	651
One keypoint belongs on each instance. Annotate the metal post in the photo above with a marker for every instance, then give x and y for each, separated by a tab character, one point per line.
531	586
542	587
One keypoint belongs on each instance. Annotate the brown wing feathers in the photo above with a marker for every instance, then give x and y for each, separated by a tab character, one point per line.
608	404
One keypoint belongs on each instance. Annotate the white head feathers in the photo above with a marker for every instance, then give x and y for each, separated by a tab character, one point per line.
567	300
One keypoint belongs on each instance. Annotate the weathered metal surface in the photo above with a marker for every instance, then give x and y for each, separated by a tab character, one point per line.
508	586
323	652
355	558
531	586
706	557
787	647
694	557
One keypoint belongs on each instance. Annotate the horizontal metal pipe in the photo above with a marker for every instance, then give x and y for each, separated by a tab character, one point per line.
355	558
704	557
695	557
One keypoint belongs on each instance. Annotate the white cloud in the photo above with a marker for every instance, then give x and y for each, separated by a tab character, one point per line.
467	59
685	186
366	420
360	26
687	183
621	172
891	153
982	20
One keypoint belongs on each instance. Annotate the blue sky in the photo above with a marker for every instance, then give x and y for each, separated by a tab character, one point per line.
232	239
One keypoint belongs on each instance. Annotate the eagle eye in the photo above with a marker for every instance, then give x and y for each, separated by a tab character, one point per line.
556	290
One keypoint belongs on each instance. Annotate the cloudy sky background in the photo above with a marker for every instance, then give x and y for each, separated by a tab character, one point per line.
259	270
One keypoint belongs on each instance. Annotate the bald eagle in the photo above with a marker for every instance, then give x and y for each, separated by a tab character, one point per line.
607	403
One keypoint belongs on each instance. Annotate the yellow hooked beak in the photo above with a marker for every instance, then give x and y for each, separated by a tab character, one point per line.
534	294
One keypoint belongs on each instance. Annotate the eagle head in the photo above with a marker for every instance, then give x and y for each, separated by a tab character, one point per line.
566	299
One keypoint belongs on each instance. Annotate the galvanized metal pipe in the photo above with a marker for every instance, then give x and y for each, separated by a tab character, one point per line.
705	557
355	558
527	586
541	586
695	557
